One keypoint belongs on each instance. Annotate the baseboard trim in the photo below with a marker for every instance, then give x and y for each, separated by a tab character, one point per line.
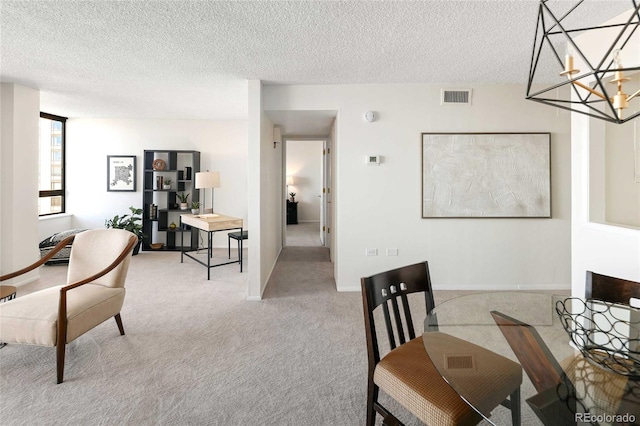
520	287
22	282
348	289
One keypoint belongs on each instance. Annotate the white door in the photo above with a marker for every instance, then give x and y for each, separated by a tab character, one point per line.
323	203
325	215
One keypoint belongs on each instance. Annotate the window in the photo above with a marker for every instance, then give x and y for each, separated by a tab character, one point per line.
51	160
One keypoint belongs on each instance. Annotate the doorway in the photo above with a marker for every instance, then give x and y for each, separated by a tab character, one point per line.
305	183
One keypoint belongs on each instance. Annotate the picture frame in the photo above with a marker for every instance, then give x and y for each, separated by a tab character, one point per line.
121	173
486	175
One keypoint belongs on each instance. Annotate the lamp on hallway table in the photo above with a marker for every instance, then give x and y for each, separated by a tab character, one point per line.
289	182
206	180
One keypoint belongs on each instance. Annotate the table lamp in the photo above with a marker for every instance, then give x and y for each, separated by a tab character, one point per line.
289	182
206	180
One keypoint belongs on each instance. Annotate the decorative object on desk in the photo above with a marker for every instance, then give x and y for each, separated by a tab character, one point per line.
195	207
184	204
121	173
166	184
129	223
601	331
487	175
292	195
159	164
206	180
172	225
157	246
597	90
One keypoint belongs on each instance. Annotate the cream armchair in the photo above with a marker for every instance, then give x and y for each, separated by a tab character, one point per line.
94	292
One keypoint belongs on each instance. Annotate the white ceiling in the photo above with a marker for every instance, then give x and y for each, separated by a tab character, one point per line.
191	59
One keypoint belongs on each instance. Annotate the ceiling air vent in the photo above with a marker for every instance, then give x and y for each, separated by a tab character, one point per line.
459	97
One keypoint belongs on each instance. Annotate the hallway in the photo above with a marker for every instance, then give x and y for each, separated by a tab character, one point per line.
304	234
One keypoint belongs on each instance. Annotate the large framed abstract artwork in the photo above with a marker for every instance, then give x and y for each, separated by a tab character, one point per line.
121	173
486	175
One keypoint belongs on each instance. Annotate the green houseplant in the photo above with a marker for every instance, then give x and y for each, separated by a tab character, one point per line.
195	207
184	201
129	222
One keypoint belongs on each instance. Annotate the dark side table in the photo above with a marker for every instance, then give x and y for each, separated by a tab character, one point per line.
292	212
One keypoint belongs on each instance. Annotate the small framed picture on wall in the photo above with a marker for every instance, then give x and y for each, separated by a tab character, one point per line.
121	173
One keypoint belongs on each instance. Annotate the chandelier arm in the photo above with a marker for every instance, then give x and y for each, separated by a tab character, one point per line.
589	89
634	95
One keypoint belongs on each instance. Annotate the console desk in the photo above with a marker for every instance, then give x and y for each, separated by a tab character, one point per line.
209	223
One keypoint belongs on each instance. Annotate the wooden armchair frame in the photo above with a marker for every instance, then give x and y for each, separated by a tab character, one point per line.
61	340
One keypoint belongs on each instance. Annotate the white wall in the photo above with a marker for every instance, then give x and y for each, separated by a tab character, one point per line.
304	162
379	207
49	225
596	246
19	112
622	193
265	194
223	147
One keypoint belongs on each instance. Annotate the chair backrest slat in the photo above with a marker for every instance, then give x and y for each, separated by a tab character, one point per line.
384	289
398	320
387	321
407	316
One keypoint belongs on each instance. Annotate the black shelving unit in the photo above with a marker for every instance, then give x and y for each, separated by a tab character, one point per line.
181	167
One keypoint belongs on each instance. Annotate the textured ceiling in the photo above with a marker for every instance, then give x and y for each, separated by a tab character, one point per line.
191	59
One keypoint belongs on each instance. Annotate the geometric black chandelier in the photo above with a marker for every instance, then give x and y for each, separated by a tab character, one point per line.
588	60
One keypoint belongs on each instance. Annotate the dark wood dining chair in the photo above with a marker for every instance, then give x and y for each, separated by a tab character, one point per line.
406	373
555	402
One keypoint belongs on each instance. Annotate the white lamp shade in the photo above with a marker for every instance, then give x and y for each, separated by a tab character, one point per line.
289	180
207	180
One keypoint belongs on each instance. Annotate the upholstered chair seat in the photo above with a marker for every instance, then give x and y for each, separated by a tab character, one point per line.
407	375
33	319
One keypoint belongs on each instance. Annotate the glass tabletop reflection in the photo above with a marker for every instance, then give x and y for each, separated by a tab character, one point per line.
588	394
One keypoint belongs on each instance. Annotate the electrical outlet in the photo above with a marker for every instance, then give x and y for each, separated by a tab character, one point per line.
371	252
392	252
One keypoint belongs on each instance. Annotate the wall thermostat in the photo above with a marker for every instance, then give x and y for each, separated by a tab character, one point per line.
370	116
373	160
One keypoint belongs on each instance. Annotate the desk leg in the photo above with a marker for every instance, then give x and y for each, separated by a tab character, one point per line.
181	241
209	254
240	249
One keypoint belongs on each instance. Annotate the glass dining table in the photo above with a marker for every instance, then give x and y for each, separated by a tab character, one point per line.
587	392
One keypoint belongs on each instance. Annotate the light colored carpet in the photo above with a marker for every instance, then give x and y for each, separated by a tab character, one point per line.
304	234
197	353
